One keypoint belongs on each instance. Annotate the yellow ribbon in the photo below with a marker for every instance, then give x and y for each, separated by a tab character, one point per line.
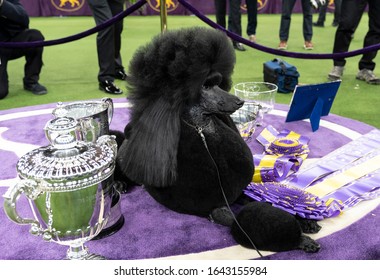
267	162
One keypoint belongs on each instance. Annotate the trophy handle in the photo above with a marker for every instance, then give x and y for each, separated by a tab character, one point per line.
28	187
110	108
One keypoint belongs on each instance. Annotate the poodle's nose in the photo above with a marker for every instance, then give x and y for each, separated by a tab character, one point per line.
240	102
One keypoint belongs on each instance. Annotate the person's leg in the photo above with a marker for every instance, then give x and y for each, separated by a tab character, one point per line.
220	12
3	74
321	16
373	35
234	22
33	58
286	13
252	17
351	13
117	6
105	43
337	8
367	63
105	40
307	26
234	17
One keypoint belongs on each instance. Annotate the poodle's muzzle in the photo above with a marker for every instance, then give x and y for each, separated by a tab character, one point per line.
215	100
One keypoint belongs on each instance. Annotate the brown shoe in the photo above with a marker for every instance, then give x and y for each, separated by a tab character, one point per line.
252	38
283	45
308	45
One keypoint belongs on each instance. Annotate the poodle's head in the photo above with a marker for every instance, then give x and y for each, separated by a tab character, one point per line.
175	65
213	100
166	76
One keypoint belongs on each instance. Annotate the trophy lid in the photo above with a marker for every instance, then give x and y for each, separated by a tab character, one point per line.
68	164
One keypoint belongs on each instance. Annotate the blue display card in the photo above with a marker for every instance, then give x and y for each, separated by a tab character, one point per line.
312	102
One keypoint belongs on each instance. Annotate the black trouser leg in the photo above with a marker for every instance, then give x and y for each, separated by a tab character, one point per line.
252	16
3	75
33	57
373	35
220	12
322	14
351	13
108	40
234	17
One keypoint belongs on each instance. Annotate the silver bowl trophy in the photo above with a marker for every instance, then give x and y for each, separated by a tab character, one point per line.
94	117
69	185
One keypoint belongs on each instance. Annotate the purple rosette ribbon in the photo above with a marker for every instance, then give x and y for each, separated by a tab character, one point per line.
284	152
294	200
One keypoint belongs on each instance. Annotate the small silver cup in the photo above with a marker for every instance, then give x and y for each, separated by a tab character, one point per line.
94	117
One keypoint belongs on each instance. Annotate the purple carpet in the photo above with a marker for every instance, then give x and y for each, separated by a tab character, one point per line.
151	230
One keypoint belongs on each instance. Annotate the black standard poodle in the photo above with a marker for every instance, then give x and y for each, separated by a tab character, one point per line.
183	146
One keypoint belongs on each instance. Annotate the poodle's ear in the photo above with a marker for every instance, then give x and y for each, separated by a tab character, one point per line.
151	149
213	79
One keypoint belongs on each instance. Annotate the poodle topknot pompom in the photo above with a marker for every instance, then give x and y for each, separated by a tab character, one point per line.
179	61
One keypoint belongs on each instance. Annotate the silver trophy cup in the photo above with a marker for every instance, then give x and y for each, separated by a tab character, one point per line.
69	186
94	117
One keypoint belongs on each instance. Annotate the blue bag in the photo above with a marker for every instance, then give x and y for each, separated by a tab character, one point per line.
281	73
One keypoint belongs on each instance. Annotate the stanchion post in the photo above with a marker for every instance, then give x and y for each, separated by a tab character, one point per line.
163	16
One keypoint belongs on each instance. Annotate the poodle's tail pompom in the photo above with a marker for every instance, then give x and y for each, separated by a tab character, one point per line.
268	228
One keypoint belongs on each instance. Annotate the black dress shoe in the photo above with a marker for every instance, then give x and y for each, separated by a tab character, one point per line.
318	24
238	46
120	75
109	87
36	88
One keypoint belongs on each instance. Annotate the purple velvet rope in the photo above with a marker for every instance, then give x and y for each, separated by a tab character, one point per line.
78	36
238	38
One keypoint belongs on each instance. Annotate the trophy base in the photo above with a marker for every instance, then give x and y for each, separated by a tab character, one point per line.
94	257
80	252
116	220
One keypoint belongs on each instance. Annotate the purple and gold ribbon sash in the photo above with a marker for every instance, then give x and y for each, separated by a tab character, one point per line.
283	154
365	188
356	182
341	178
337	159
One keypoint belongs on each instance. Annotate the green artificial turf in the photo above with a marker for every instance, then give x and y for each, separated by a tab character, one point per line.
70	70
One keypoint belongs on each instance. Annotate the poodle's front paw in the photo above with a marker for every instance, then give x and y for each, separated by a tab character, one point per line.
222	216
309	245
309	226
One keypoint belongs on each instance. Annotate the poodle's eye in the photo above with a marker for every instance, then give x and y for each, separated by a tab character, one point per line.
206	87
